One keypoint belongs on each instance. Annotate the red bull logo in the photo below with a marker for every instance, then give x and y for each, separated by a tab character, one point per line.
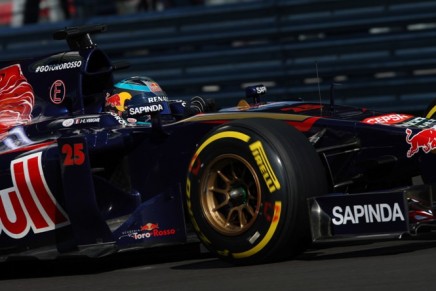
117	100
29	204
16	98
425	140
149	226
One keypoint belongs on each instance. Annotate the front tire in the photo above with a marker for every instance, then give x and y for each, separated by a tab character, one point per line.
247	188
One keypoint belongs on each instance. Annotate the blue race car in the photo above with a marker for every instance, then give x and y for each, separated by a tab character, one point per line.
90	166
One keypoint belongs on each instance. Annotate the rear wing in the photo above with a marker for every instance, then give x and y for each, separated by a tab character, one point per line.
79	38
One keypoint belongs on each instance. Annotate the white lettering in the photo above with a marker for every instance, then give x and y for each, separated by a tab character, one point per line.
420	122
154	233
118	118
386	119
367	213
260	90
145	109
157	99
58	67
386	212
397	214
89	120
359	211
373	213
141	235
337	214
348	216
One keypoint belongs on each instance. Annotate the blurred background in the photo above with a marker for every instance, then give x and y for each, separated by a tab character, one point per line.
378	54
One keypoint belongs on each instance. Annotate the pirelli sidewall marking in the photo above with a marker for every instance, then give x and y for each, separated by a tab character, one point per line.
269	176
265	168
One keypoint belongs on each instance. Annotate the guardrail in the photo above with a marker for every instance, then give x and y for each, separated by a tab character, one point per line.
382	52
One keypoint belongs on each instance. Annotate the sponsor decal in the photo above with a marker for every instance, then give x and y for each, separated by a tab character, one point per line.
16	98
157	99
58	67
419	122
264	166
149	230
87	120
84	120
150	226
29	203
145	109
364	213
367	213
255	91
118	100
154	233
425	140
131	120
387	119
67	122
57	92
118	118
260	89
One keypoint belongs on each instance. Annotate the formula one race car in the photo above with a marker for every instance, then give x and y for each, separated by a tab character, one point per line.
92	167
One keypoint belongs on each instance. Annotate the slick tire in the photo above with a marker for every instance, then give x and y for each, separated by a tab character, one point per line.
247	190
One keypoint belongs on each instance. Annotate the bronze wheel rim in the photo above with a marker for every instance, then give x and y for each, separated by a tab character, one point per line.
231	195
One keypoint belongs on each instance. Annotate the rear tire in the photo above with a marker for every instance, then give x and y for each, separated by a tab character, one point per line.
430	112
247	190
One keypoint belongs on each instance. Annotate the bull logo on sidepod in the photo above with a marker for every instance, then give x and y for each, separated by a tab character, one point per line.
16	98
425	140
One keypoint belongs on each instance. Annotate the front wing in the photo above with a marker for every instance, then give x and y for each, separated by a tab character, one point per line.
374	214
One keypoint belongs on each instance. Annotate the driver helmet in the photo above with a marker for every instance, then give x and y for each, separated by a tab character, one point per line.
135	98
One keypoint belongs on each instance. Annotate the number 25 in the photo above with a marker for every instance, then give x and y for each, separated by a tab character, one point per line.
74	154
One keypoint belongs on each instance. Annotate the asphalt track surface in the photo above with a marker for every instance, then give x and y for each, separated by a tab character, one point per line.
381	265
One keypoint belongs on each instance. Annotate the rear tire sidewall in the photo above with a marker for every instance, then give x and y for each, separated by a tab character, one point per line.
430	112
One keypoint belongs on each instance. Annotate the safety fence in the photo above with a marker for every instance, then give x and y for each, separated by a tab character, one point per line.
381	54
